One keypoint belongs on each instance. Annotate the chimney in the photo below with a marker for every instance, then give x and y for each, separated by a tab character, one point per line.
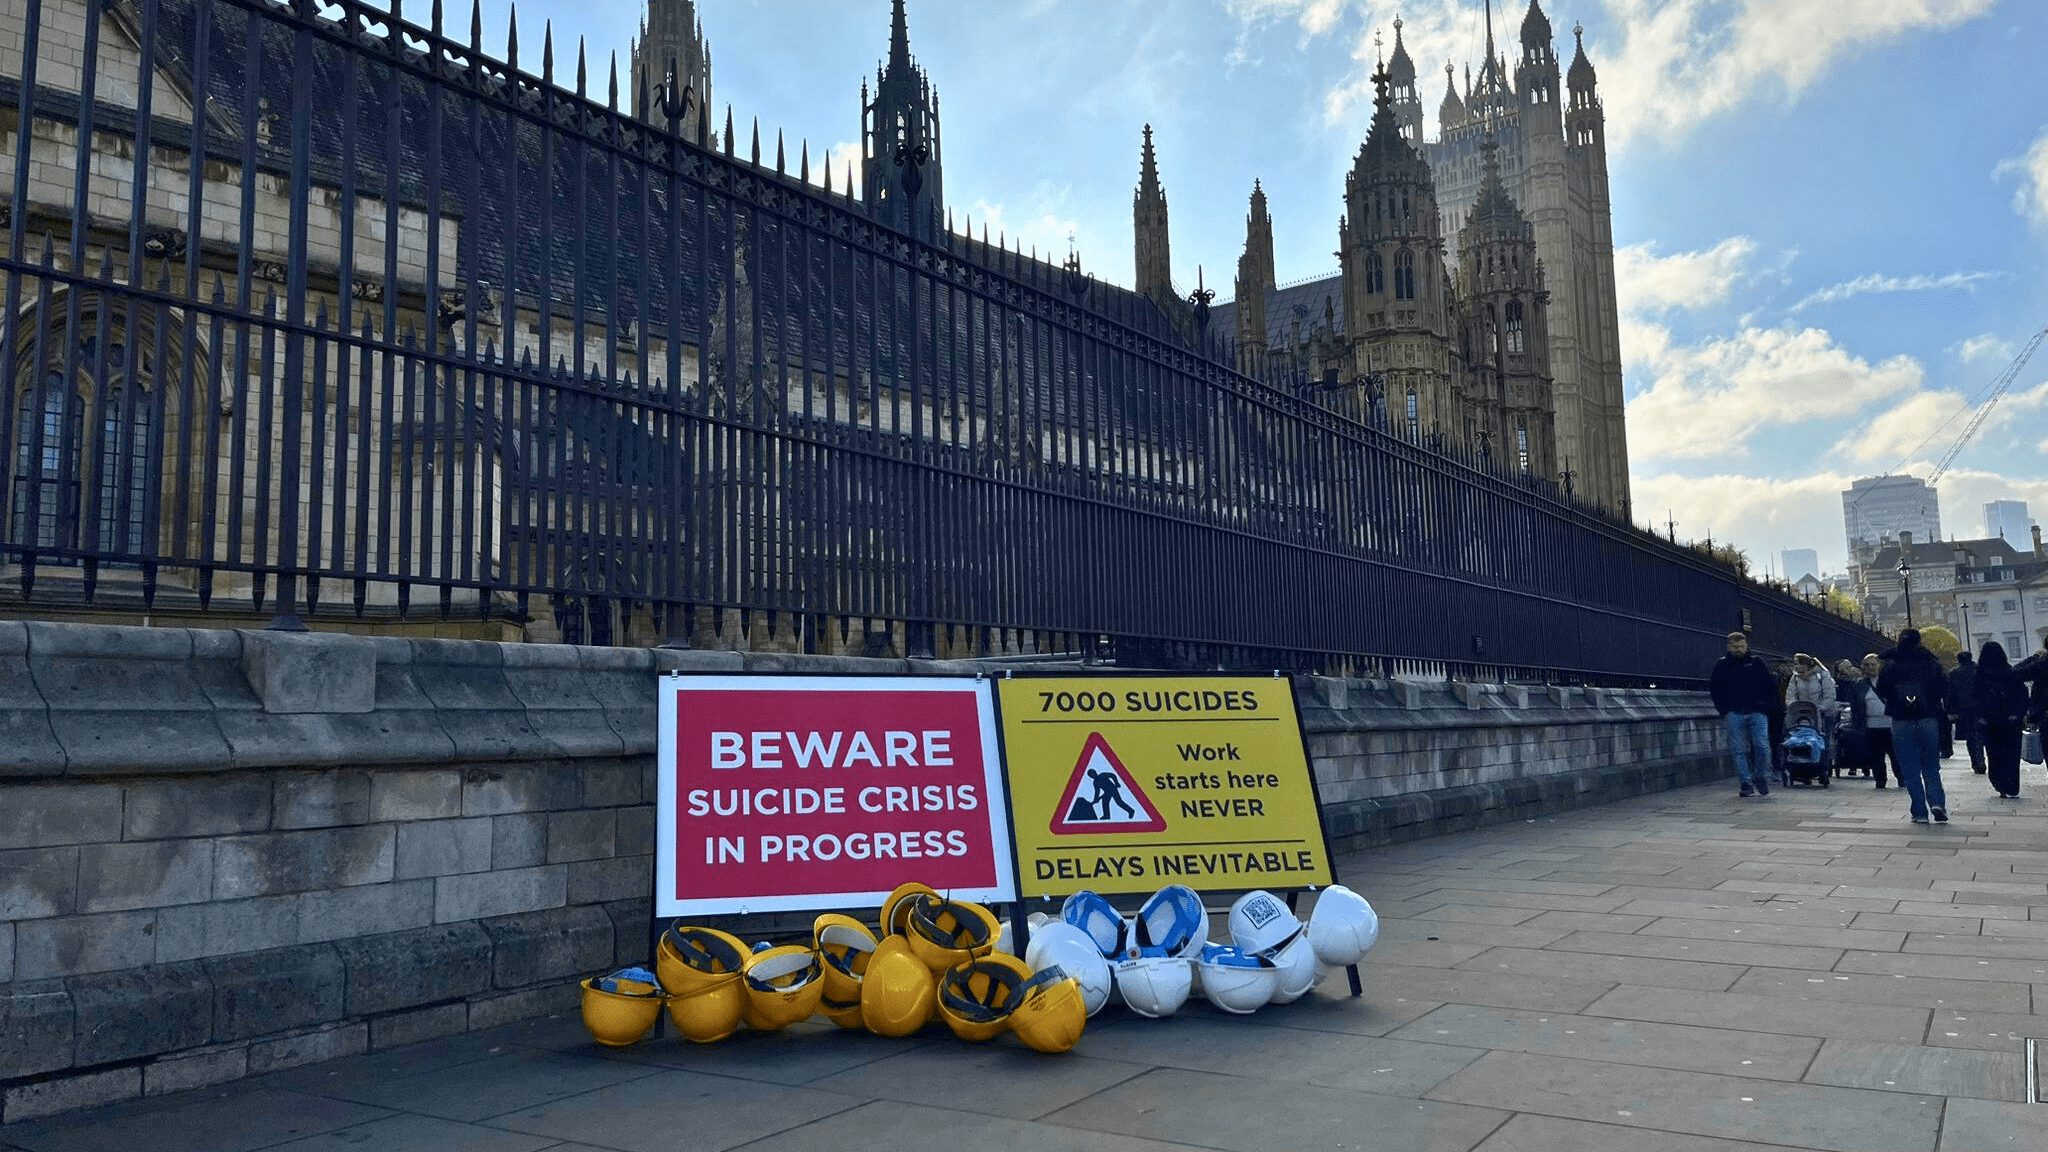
2037	541
1905	544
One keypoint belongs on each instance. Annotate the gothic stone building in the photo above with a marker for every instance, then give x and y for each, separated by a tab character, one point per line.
1476	282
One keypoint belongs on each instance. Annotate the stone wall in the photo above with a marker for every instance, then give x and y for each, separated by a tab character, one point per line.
226	853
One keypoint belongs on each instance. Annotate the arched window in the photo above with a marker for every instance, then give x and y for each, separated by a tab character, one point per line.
1522	443
1375	273
87	457
1406	215
1404	275
1492	342
1414	415
1515	327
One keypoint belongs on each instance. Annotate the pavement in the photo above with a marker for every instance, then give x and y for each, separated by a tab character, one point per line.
1686	972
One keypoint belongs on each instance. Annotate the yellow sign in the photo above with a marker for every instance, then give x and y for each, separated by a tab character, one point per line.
1128	784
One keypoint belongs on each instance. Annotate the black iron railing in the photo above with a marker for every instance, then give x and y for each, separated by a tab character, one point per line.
312	309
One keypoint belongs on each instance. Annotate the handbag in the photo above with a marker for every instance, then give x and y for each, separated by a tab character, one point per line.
2030	744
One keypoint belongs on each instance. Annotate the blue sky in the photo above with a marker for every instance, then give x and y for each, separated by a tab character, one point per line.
1832	217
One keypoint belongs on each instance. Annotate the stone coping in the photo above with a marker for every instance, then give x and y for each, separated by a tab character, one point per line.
91	699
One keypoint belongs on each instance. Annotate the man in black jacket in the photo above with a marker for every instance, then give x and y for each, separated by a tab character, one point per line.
1961	685
1744	693
1915	694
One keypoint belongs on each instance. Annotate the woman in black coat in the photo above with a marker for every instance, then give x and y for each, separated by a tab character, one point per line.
1998	699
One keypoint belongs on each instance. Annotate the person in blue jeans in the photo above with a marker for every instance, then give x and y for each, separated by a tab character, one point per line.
1915	694
1744	693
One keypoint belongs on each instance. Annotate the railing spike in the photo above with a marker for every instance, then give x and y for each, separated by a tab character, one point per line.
612	97
728	130
804	153
757	142
582	69
476	30
826	161
437	18
780	167
849	181
547	50
512	39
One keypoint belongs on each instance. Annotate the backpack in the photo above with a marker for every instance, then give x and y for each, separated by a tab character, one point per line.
1915	688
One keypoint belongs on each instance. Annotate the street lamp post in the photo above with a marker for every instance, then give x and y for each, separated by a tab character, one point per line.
1965	604
1906	575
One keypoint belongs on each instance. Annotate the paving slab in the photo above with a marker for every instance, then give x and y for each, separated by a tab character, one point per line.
1911	1068
795	1055
1616	1041
670	1110
1905	991
1698	1103
1996	944
1776	1014
211	1120
924	1128
1993	1031
1497	988
1267	1116
1943	967
1788	934
1616	969
1211	1042
1488	935
1718	951
419	1134
1987	1126
999	1079
484	1088
1528	1133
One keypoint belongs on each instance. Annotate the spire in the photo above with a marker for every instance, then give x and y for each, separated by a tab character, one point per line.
1451	112
1489	32
1535	26
1258	199
1148	171
1581	75
899	36
1401	67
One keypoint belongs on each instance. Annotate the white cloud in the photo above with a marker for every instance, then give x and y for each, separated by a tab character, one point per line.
1923	420
1718	54
1767	514
1041	218
1648	283
1706	399
1723	54
1984	347
2030	199
1875	283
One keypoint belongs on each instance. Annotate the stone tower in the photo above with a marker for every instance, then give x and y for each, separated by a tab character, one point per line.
1599	451
901	152
1397	302
1154	248
1255	283
1503	330
671	35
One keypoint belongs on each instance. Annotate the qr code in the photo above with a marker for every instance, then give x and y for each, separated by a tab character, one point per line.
1262	911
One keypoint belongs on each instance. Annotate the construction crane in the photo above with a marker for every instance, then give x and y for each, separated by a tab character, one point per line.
1989	399
1998	388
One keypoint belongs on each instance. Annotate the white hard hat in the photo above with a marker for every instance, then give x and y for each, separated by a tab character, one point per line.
1236	981
1061	945
1006	940
1039	920
1261	922
1173	922
1299	972
1154	986
1093	914
1343	927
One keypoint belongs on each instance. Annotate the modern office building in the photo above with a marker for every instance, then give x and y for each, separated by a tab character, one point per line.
2008	519
1797	563
1878	508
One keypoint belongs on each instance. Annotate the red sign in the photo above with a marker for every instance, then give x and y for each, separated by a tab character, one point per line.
795	792
1103	796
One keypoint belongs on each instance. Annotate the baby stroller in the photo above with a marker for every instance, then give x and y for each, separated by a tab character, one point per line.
1805	749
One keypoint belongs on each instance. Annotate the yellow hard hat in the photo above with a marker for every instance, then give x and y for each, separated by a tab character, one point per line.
1050	1014
845	946
948	933
783	986
976	998
622	1013
896	909
897	992
700	970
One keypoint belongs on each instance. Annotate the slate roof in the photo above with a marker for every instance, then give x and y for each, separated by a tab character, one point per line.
1303	300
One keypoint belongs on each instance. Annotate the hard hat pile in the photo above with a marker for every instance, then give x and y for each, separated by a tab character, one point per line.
932	957
1156	960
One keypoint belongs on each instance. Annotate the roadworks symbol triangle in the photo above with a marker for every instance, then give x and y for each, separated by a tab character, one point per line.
1103	796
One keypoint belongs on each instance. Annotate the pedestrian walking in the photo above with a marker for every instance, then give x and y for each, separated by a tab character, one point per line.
1811	684
1870	721
2034	670
1915	695
1999	704
1961	692
1745	694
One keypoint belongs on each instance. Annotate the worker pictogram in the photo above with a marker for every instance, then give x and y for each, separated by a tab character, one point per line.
1102	795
